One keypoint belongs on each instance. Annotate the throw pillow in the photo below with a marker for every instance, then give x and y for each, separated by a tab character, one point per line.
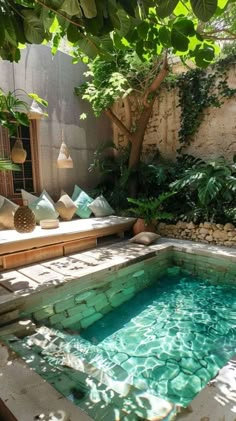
81	201
7	210
65	207
145	238
101	207
29	197
44	208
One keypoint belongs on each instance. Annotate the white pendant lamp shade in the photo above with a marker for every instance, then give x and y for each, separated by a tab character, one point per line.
64	159
35	111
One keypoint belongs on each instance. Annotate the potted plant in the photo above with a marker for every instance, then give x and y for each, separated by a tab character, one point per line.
148	212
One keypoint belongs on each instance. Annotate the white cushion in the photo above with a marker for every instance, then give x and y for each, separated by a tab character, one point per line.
101	207
7	211
145	238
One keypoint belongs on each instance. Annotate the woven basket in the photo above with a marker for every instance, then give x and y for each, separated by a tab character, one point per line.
24	219
18	153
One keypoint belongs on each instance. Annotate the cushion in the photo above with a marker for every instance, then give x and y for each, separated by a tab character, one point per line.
43	207
65	207
101	207
29	197
7	210
81	201
145	238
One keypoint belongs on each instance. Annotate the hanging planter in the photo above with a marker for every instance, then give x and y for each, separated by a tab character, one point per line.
18	153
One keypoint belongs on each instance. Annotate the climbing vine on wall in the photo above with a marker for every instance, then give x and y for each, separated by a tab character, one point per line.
198	90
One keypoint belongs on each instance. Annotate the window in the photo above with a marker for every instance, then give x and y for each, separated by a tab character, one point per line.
11	182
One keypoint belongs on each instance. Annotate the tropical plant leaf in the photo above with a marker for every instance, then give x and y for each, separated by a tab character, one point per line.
71	7
204	9
207	191
89	8
231	183
7	165
33	27
166	7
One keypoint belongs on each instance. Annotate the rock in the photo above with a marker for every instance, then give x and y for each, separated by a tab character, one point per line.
221	235
161	226
229	243
209	238
181	224
229	227
204	231
191	225
207	225
220	226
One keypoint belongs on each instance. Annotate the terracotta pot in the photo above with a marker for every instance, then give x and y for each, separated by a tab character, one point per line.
141	226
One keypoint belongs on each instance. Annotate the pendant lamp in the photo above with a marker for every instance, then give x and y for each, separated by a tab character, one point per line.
18	153
35	111
64	159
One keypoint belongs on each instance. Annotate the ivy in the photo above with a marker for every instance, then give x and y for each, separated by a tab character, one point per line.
198	90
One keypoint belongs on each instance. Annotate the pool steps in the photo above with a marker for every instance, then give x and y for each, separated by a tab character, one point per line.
100	378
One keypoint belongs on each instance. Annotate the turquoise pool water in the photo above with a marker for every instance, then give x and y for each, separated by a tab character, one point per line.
171	338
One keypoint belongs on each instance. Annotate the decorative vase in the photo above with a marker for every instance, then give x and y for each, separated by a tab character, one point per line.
24	219
18	153
141	226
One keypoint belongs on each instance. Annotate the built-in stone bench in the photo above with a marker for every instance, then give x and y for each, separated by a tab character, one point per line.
18	249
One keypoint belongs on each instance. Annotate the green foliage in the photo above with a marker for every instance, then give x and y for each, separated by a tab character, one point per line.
111	163
14	109
93	26
199	90
111	80
203	191
209	188
7	165
151	210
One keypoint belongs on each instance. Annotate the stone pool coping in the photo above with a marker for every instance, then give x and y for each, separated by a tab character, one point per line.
215	402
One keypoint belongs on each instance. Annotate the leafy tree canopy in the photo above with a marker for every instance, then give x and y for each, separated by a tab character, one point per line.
93	27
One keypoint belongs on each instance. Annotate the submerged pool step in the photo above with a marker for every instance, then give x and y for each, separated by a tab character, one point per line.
103	376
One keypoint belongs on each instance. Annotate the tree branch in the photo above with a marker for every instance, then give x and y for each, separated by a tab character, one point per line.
119	124
128	116
157	81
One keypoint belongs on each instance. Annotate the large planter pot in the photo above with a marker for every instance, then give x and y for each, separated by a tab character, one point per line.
141	226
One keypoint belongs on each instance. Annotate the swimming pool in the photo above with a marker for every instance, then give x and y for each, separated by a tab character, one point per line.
166	330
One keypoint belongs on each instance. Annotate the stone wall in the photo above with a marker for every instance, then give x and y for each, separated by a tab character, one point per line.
215	137
223	235
82	306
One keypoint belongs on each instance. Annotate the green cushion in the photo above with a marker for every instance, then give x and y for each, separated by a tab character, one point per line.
101	207
43	207
81	201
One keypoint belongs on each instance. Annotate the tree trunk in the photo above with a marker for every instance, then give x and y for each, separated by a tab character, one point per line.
136	147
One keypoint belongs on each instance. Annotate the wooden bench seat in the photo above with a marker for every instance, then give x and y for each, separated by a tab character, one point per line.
71	236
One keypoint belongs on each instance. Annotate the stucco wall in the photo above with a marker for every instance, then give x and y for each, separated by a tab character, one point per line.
215	137
54	79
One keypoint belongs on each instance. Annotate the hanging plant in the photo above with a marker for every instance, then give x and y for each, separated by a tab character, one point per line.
198	90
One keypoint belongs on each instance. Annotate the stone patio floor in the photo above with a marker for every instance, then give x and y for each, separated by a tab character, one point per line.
29	397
